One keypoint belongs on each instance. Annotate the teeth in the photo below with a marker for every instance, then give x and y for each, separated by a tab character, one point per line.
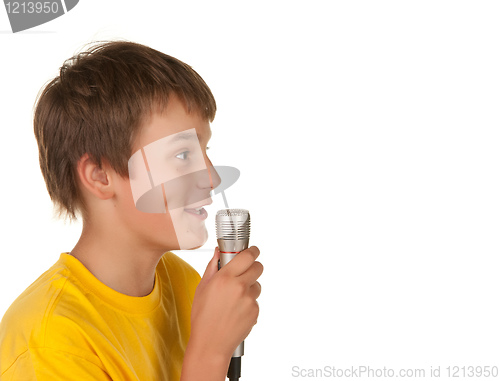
197	210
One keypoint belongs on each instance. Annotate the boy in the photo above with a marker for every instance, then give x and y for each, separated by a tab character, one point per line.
122	135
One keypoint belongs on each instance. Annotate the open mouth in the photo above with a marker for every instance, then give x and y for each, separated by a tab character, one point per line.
200	213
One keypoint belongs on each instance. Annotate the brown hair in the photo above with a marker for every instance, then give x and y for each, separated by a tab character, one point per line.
96	106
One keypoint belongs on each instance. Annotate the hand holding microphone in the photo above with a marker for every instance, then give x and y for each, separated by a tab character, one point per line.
225	307
233	233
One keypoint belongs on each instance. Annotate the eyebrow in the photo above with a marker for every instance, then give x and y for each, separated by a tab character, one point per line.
185	136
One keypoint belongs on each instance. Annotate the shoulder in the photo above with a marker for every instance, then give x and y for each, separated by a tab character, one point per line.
37	300
24	325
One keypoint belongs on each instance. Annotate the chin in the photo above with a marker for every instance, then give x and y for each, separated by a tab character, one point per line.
192	241
190	231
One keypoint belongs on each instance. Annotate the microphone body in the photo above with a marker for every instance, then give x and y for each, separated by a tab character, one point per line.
233	234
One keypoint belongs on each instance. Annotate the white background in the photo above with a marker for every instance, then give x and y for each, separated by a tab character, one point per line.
367	135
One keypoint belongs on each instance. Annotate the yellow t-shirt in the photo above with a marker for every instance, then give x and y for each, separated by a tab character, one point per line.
69	326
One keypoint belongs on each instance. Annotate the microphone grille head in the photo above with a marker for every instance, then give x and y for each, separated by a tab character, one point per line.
233	212
232	224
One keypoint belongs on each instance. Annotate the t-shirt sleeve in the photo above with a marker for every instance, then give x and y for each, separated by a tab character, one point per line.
44	364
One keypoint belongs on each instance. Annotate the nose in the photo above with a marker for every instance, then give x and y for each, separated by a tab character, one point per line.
215	179
210	178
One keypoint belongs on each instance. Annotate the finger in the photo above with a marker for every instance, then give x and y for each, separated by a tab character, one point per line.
255	290
259	308
212	266
241	262
252	274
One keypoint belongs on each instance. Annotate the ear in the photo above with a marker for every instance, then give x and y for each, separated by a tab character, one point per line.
95	179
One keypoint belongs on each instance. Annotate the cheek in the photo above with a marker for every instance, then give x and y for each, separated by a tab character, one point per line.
155	228
158	223
177	192
130	213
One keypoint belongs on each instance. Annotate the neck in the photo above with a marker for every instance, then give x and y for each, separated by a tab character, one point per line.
113	257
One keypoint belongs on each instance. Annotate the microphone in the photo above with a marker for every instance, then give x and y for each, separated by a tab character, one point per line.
233	233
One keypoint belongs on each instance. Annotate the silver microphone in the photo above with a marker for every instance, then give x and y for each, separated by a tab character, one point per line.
233	234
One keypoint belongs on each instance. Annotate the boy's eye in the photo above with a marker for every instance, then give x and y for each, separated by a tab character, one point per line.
183	155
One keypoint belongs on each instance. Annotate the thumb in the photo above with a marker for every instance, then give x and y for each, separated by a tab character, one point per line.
212	267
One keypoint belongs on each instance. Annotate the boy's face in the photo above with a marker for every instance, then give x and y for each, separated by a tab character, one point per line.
170	178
